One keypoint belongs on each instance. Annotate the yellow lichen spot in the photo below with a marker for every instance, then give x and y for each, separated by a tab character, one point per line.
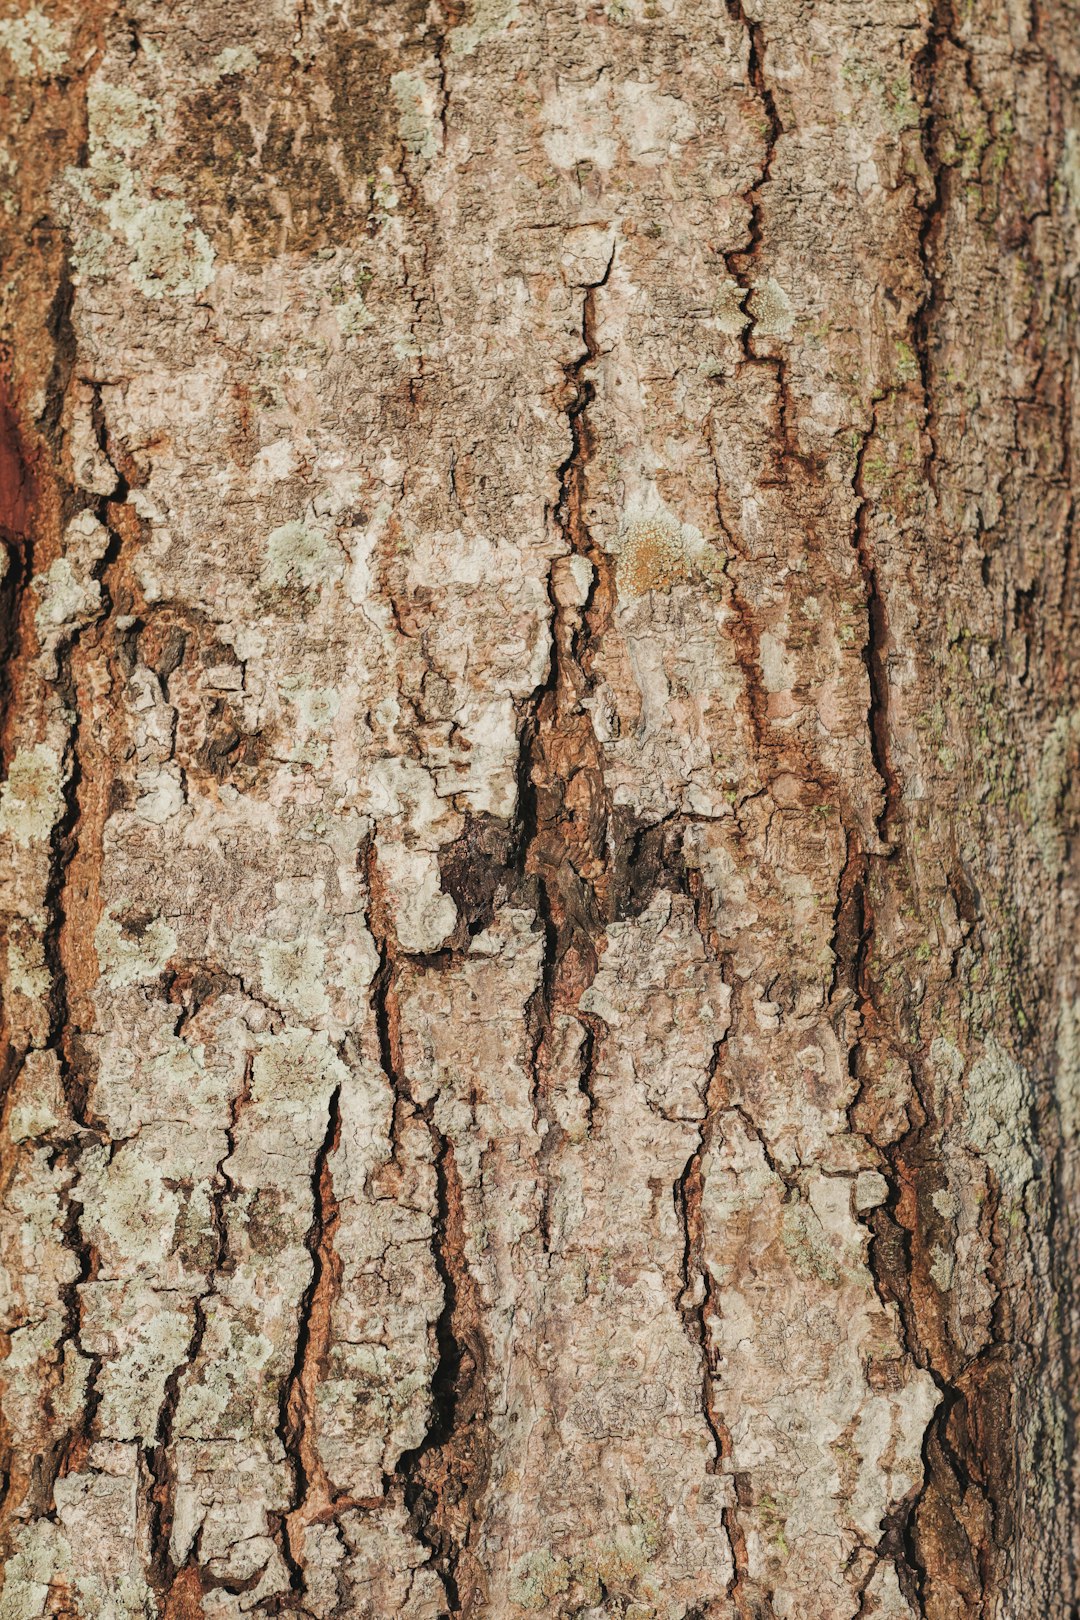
652	558
655	552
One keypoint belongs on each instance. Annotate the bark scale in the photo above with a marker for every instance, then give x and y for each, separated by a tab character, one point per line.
542	1041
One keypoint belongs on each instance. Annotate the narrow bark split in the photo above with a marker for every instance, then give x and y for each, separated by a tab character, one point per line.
538	811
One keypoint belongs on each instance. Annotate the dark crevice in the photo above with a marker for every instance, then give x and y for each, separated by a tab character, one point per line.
297	1392
696	1302
953	1477
62	1037
159	1460
442	1477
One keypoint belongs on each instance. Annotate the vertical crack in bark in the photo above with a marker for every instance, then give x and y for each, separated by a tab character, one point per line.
740	265
312	1497
62	1036
945	1472
875	647
930	224
159	1461
696	1304
755	68
695	1301
17	499
568	851
443	1477
853	947
742	629
26	506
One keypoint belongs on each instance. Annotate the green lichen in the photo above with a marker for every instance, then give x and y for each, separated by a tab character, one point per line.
42	1556
895	97
907	365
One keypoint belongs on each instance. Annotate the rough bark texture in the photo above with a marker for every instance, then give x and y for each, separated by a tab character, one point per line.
539	814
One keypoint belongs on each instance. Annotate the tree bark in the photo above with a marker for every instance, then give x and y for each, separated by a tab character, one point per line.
542	1040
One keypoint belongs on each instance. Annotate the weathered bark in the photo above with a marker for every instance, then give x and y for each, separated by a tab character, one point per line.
539	810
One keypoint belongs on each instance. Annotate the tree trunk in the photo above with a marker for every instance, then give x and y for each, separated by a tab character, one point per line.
539	813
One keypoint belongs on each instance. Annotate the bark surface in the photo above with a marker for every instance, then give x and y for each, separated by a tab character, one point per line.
539	809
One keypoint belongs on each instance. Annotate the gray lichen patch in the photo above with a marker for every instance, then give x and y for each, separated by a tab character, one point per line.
120	119
300	554
32	798
771	309
132	949
27	966
119	214
416	122
34	44
484	19
728	310
167	253
66	598
1058	771
293	974
997	1101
